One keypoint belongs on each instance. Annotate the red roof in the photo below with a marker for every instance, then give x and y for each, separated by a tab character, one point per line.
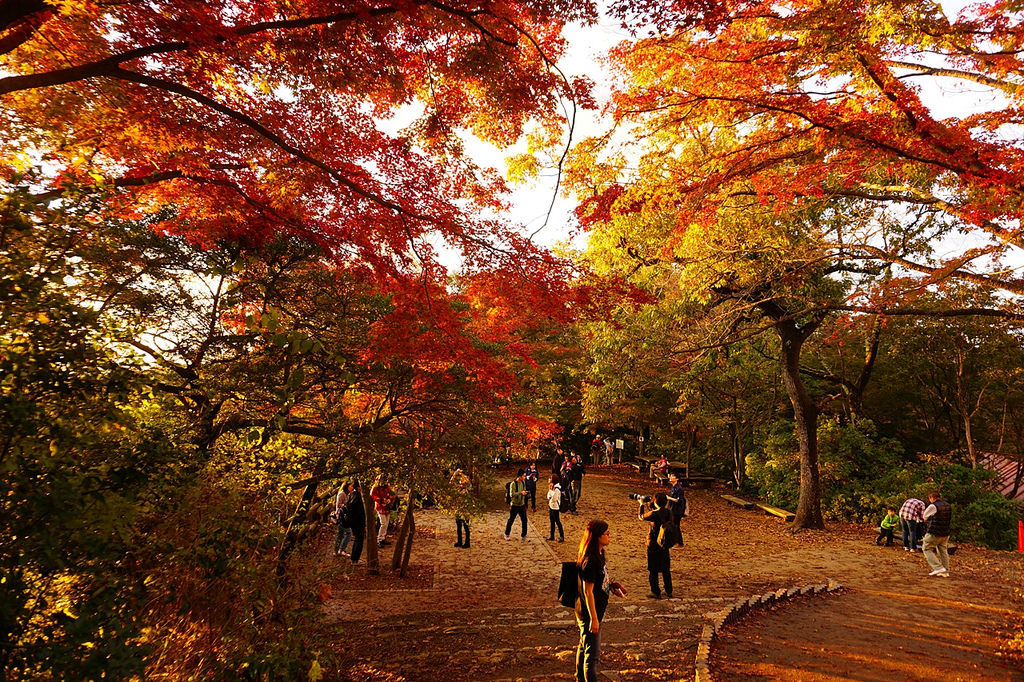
1007	468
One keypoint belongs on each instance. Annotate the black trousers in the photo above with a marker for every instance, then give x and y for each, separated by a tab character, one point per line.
555	517
514	511
531	492
666	576
885	533
459	525
357	545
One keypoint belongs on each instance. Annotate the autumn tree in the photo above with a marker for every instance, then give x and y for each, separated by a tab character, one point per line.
837	100
255	119
790	140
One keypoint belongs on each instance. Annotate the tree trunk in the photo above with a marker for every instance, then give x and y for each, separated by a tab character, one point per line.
370	545
408	545
805	414
291	536
1017	479
403	531
738	462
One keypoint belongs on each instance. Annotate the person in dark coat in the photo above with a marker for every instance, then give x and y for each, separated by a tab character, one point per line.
357	520
658	559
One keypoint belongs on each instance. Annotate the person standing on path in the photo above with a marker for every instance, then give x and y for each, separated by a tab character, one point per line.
517	503
383	498
658	559
356	520
460	481
578	469
939	515
341	518
554	505
677	498
557	461
592	597
531	484
910	521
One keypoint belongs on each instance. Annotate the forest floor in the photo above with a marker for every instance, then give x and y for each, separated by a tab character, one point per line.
489	612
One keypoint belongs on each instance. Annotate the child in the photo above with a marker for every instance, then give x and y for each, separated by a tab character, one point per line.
889	524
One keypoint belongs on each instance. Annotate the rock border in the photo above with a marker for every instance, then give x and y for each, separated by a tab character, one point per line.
717	620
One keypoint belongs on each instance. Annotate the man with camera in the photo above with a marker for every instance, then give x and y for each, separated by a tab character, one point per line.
658	559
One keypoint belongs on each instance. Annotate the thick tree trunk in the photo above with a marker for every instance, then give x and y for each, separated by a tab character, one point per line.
403	532
370	545
408	545
805	414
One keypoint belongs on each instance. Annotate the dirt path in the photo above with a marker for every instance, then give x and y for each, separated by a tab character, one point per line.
489	613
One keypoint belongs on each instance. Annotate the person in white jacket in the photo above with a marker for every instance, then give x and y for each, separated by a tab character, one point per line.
554	509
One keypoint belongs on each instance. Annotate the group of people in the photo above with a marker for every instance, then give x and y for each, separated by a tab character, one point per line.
928	522
350	517
565	486
594	583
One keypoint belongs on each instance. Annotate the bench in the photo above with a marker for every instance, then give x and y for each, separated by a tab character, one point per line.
738	502
641	463
775	511
678	468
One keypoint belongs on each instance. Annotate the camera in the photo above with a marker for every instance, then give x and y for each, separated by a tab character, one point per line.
640	498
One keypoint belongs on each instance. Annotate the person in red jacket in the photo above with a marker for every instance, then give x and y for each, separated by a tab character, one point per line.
383	499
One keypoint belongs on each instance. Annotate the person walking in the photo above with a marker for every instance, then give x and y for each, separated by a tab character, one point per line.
554	505
910	521
592	597
659	562
341	518
938	515
517	503
356	514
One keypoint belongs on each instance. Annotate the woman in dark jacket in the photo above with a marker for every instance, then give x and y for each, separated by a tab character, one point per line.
658	559
357	521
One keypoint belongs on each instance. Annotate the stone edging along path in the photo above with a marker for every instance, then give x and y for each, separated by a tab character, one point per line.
717	620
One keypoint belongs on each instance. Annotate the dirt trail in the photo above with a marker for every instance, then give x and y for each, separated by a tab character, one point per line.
488	613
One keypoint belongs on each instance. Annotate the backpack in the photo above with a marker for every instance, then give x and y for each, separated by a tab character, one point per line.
508	493
568	587
342	516
669	536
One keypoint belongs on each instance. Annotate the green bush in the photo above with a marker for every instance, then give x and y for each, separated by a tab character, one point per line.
862	473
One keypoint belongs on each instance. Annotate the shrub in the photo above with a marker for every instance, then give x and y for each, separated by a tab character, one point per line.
862	473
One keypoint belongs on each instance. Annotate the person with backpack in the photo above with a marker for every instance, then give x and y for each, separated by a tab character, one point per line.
592	593
341	518
515	497
677	498
555	509
658	559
